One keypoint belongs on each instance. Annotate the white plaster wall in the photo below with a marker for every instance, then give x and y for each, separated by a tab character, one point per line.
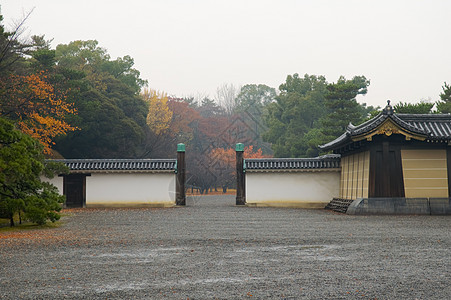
130	189
56	181
301	189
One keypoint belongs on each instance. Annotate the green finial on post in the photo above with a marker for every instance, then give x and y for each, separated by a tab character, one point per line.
239	147
180	147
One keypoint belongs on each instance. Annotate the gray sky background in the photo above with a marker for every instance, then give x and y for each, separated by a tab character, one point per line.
189	48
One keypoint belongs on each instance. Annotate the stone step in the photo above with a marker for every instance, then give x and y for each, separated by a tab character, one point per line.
339	205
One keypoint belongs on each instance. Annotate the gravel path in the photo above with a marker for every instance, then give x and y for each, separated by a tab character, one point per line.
212	249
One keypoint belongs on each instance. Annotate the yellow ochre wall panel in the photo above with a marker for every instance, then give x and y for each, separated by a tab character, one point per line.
423	154
359	177
366	174
425	173
424	163
343	174
426	182
354	175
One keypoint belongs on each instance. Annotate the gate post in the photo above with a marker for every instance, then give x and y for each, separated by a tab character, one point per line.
180	197
240	180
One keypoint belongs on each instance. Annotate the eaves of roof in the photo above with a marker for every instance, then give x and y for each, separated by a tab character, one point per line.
428	127
331	161
119	165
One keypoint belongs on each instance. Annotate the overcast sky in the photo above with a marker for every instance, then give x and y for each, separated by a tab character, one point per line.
188	48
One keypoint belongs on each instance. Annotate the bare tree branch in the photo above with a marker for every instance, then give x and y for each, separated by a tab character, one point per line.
11	45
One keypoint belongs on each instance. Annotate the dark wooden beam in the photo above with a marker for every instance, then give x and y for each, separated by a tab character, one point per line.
180	198
240	179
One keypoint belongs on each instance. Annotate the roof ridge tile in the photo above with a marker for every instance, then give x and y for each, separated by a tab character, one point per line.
118	164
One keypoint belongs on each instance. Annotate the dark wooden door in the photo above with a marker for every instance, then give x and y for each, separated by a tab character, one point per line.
74	189
386	178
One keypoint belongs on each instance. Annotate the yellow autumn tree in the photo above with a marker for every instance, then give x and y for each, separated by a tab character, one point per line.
159	116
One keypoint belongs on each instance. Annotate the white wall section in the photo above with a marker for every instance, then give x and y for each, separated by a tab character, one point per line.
299	189
130	189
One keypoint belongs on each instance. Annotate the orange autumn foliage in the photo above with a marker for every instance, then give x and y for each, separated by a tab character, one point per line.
228	156
183	117
36	108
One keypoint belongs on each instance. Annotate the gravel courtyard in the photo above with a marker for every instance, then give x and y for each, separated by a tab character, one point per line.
214	250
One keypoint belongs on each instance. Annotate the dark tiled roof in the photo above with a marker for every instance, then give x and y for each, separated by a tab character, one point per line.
118	165
433	127
378	120
331	161
438	126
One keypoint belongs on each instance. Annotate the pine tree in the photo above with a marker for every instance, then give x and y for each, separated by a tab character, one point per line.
444	106
21	189
341	100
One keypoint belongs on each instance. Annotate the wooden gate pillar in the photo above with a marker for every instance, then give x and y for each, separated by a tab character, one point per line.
240	179
180	197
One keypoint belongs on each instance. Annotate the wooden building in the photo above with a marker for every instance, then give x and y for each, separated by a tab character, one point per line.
395	156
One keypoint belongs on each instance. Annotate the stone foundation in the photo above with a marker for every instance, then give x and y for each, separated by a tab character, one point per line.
400	206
